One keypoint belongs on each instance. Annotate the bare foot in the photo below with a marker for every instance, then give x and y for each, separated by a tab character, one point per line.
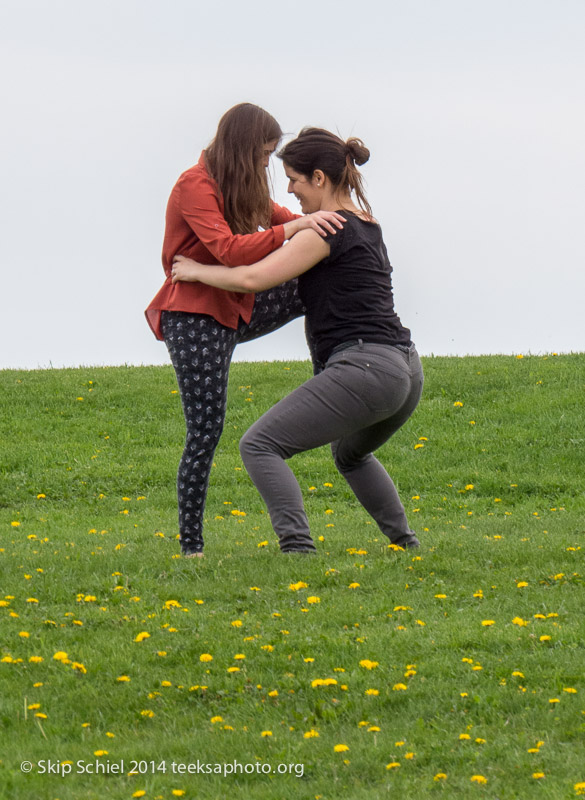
193	555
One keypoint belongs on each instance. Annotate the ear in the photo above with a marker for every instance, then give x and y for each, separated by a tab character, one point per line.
318	178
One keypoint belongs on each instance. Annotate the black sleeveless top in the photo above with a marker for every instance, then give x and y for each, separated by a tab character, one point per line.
348	295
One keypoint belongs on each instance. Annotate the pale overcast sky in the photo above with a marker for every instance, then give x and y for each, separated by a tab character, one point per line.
473	112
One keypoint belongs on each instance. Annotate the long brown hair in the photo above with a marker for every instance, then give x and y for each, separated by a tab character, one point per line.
316	148
234	161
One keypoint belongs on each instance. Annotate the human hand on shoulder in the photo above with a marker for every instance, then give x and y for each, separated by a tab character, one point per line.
323	222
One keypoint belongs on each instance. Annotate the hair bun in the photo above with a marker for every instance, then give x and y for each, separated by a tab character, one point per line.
357	150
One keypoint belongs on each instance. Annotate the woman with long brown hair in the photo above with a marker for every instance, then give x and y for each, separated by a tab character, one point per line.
371	378
213	215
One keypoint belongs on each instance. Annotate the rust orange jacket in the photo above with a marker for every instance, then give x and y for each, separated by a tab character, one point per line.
196	228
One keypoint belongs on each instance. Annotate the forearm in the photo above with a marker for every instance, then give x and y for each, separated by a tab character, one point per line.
232	279
305	250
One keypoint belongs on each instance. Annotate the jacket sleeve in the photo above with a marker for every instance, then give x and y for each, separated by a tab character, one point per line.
199	204
280	215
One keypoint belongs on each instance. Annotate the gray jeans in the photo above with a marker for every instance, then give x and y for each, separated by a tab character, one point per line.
364	395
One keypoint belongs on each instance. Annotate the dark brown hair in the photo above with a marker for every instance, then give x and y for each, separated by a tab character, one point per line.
316	148
234	161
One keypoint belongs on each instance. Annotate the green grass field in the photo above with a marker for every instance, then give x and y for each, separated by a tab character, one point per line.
457	671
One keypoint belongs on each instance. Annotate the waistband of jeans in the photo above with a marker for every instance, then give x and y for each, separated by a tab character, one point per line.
404	348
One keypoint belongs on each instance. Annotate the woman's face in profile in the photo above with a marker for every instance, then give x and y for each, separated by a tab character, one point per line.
268	150
304	189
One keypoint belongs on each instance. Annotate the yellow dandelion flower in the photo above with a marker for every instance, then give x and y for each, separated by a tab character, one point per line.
393	765
142	636
178	792
372	692
216	719
354	585
458	404
538	775
367	664
544	638
273	693
24	634
520	622
205	657
312	734
313	600
399	687
440	776
35	659
139	793
323	682
464	737
478	779
487	622
570	690
60	655
266	733
341	748
294	587
99	753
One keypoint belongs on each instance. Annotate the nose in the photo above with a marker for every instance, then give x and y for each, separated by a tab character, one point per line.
290	187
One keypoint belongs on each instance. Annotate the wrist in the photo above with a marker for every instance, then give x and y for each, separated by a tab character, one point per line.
292	227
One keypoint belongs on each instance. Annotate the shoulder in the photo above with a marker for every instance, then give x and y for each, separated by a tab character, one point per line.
354	230
310	243
196	179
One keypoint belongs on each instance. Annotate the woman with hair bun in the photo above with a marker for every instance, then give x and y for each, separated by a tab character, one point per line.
370	378
213	215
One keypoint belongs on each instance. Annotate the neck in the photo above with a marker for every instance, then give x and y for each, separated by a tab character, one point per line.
337	201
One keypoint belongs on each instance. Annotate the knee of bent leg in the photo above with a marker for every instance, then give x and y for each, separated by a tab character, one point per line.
248	447
344	460
257	443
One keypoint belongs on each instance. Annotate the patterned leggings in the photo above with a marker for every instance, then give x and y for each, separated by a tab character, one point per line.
201	351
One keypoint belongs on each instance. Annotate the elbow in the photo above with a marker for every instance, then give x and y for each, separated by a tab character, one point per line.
250	282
